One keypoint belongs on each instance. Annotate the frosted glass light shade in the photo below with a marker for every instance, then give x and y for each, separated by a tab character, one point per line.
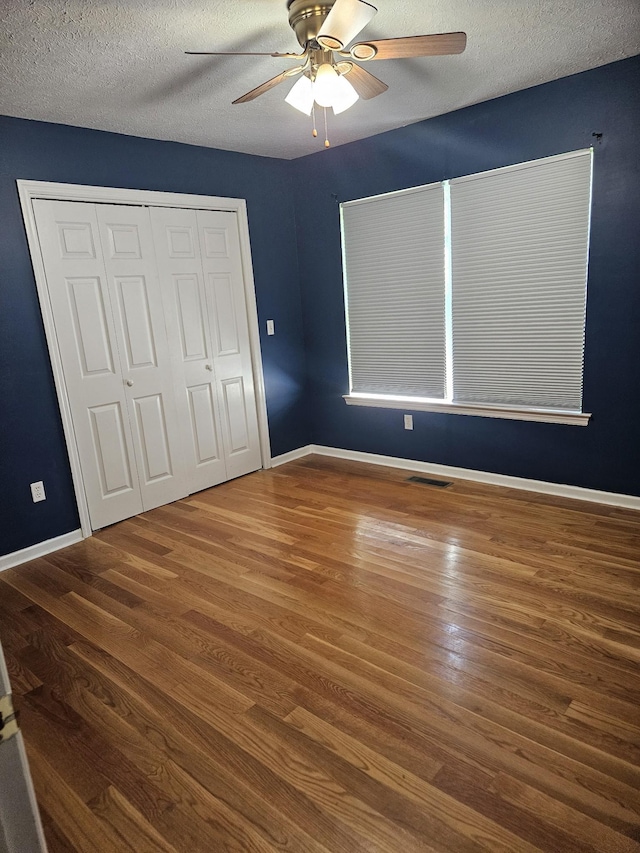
344	97
326	85
301	95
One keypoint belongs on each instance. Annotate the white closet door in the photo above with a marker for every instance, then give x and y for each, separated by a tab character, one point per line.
141	336
224	286
175	232
151	323
81	305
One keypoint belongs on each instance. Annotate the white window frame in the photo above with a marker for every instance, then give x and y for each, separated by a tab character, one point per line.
410	403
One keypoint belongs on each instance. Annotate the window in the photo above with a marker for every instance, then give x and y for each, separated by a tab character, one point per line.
469	296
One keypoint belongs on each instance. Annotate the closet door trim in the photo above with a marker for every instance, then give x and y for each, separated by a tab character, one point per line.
30	190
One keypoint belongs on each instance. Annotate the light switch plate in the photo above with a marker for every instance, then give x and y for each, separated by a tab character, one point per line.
271	329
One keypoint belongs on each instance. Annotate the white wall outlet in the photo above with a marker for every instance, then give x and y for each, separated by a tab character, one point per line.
271	329
408	421
37	492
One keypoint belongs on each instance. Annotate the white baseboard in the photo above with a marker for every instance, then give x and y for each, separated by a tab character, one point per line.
40	549
293	455
542	487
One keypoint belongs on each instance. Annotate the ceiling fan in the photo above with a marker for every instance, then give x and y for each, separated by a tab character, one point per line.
330	74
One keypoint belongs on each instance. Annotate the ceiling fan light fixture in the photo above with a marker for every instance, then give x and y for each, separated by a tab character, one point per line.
301	95
325	29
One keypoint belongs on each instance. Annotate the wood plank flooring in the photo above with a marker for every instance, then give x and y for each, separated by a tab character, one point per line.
326	657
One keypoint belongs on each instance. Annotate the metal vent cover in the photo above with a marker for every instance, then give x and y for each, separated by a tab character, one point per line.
427	481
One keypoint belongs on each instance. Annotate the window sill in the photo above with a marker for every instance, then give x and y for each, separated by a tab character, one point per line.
551	416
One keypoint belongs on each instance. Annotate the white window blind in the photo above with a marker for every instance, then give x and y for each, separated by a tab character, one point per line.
394	263
519	240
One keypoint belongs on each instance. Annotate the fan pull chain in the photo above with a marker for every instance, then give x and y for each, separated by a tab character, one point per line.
327	144
314	132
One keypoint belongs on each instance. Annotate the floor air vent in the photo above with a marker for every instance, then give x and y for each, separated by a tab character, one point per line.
427	481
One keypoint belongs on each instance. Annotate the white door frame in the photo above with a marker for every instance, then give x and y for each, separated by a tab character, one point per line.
29	190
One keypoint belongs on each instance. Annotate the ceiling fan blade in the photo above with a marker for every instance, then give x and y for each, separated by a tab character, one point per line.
441	44
264	87
344	22
241	53
365	84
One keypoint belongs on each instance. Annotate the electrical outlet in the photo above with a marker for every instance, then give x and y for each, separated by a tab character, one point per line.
37	492
408	421
271	330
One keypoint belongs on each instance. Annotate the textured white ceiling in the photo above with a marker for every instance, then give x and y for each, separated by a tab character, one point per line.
119	64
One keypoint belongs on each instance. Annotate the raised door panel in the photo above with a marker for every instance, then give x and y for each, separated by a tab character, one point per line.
83	317
187	301
90	327
152	426
108	427
139	339
237	422
226	304
177	244
227	334
135	293
204	424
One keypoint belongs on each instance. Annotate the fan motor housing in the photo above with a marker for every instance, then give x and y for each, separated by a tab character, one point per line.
306	18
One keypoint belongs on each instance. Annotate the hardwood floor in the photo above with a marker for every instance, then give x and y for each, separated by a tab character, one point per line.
325	657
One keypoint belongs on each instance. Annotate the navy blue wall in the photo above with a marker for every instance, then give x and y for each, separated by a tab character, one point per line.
31	440
550	119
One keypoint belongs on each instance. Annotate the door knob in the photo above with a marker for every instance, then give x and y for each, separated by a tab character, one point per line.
129	382
209	366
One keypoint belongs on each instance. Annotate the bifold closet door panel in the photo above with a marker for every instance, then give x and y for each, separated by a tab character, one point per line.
175	232
86	338
227	311
203	289
136	300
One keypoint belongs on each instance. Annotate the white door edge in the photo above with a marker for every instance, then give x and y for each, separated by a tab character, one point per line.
30	190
